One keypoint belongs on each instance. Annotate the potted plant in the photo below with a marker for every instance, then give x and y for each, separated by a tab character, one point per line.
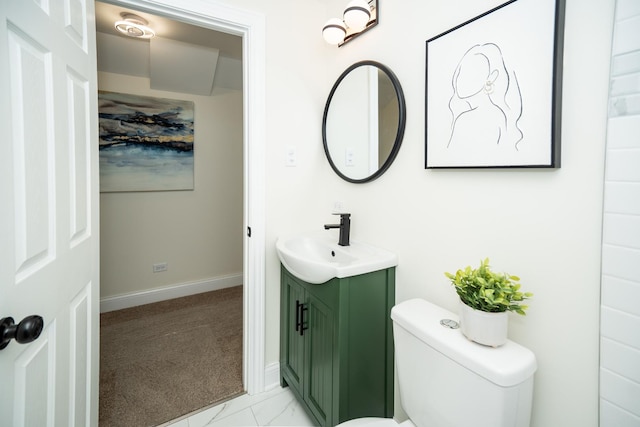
485	298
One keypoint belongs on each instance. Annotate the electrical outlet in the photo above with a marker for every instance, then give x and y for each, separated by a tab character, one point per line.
338	206
160	267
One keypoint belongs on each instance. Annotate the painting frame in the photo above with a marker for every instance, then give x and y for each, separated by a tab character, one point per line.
146	143
493	89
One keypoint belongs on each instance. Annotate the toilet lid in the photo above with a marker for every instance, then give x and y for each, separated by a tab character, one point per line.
375	422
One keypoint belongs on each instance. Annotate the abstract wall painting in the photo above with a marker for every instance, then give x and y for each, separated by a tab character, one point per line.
493	89
146	143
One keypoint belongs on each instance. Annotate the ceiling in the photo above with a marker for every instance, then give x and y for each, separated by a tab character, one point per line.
129	56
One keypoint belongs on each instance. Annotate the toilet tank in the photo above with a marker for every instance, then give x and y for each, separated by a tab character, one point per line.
448	381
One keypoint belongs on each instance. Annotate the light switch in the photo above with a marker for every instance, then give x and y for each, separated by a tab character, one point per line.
349	157
291	158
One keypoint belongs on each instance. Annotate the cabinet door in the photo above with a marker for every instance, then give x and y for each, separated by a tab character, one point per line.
292	357
318	380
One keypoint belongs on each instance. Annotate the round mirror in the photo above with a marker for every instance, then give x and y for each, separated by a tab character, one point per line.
363	122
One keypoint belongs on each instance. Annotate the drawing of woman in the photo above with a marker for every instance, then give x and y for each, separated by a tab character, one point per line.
486	104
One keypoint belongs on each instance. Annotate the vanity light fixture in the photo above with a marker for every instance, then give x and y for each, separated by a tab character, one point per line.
358	17
134	26
334	31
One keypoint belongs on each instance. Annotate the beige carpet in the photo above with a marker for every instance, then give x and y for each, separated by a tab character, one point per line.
163	360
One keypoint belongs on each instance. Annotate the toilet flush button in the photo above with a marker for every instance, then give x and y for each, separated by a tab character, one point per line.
449	323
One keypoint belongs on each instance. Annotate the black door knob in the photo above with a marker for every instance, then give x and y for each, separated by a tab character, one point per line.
24	332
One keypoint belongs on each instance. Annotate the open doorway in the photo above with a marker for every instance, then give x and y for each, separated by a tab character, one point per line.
247	26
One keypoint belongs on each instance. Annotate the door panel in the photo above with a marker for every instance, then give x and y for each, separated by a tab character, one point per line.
79	157
49	261
81	341
319	381
33	153
34	393
75	23
294	354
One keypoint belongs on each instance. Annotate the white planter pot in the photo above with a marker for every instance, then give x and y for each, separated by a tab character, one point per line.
482	327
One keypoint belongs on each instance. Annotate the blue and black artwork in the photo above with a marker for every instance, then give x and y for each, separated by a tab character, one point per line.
146	143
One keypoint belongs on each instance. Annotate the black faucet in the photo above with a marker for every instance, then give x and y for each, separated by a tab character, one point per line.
344	226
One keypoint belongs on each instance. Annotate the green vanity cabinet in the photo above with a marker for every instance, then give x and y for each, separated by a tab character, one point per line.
336	345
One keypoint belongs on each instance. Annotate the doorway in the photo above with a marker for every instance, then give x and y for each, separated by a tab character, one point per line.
251	27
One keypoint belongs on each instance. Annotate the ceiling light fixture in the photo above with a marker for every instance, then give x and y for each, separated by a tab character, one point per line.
358	17
134	26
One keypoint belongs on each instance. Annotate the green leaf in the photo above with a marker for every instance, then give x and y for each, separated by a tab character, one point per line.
486	290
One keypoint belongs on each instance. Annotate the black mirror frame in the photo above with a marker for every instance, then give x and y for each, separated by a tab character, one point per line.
402	118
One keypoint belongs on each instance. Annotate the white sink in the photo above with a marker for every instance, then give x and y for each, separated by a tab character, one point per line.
317	257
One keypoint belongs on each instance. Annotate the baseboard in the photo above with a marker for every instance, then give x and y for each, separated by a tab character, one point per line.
134	299
271	376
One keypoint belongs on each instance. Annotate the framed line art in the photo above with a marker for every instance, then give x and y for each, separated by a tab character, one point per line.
493	89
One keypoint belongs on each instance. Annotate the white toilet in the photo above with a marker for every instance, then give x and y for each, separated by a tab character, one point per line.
448	381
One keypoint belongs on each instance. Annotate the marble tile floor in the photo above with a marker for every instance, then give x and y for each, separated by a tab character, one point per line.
277	407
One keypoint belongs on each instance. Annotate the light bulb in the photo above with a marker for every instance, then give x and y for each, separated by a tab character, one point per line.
334	31
357	15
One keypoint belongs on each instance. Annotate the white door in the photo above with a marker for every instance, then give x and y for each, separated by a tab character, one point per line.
49	260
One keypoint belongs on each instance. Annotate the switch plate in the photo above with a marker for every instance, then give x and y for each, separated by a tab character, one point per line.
291	158
160	267
349	157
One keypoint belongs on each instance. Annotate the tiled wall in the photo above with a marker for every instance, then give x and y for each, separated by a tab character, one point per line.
620	316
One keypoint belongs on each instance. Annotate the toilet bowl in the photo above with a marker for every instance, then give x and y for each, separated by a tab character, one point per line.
447	380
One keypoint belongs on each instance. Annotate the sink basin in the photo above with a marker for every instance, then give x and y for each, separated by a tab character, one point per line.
317	257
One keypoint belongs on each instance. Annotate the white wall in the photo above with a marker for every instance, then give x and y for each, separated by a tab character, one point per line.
198	233
544	225
620	318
